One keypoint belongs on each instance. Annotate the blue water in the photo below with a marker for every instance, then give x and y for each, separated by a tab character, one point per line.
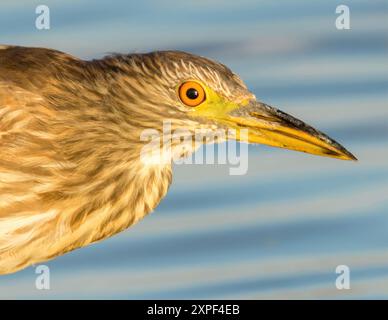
281	230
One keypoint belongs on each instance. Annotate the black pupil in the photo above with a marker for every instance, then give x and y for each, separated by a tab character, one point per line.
192	93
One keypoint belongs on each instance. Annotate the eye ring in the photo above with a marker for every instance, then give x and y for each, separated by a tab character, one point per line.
191	93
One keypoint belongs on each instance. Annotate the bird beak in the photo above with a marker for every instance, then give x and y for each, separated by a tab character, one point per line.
267	125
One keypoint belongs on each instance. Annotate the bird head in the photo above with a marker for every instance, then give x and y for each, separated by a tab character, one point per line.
195	92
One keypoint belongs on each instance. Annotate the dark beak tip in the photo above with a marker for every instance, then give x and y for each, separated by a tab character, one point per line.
350	156
353	158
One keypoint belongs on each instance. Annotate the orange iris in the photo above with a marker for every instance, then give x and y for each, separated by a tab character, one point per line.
191	93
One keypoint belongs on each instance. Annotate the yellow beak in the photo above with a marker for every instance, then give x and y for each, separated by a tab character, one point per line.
267	125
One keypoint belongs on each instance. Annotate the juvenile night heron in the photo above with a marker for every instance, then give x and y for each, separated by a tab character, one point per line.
70	169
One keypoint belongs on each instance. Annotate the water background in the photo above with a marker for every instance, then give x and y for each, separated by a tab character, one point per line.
281	230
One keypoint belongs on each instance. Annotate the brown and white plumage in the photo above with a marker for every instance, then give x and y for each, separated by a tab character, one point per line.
70	171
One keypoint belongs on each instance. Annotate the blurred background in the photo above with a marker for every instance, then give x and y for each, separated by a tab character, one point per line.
281	230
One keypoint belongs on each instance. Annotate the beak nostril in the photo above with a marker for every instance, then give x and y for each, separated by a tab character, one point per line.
257	115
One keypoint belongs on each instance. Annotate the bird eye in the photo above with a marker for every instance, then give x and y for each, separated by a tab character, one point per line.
191	93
